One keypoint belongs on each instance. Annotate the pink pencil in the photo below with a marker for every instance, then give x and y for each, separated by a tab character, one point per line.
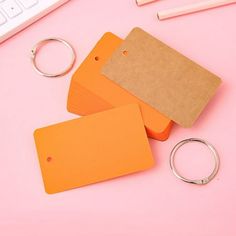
143	2
178	11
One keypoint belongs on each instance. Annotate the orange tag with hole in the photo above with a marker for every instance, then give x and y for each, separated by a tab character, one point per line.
91	92
93	148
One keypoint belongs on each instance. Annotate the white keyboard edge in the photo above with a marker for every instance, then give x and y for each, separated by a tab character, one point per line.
33	14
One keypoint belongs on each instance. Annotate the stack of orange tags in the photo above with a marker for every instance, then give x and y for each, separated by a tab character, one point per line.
126	90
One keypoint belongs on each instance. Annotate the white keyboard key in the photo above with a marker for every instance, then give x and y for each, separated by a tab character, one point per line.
2	19
11	8
28	3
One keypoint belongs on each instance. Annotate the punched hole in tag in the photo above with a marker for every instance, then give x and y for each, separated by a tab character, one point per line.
49	159
125	53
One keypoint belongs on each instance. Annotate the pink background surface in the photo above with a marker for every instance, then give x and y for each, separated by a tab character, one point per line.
150	203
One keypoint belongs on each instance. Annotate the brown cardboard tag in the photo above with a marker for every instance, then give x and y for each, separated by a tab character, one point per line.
161	77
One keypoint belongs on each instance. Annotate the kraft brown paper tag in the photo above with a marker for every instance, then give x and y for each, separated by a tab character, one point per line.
162	77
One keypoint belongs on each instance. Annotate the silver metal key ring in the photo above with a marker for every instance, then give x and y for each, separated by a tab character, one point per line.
39	45
197	181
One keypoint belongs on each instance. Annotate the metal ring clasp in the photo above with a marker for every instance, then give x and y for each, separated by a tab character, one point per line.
197	181
39	45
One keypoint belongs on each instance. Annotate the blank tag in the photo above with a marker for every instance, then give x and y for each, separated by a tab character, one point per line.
93	148
161	77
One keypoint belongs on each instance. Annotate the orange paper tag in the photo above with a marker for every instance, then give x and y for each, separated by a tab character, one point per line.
93	148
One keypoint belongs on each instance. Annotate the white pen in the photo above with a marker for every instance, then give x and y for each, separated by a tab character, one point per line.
191	8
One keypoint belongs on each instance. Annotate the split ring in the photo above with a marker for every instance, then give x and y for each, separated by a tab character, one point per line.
197	181
39	45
